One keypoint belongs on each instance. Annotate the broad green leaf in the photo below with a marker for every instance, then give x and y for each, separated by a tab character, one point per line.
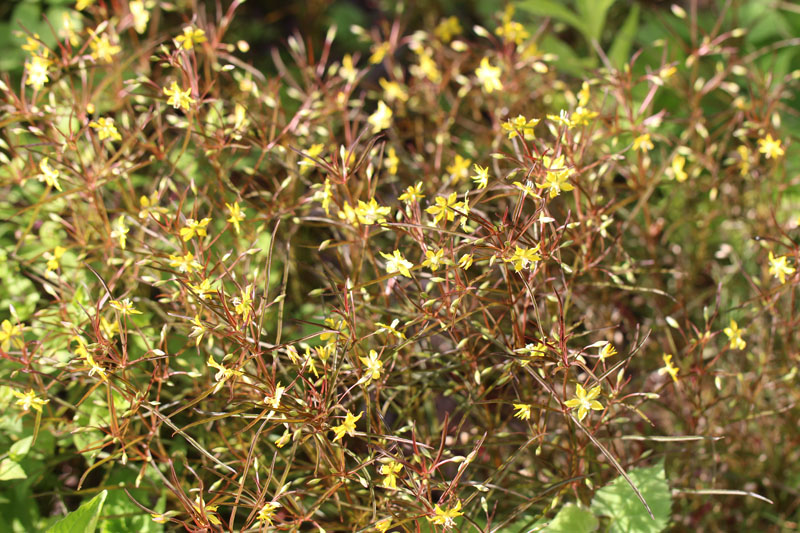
618	502
11	470
572	519
620	50
594	13
556	10
20	448
83	519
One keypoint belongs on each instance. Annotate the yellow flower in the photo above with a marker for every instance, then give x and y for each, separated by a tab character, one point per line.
581	117
512	32
390	470
106	129
347	70
347	427
204	289
149	206
80	5
770	147
267	513
177	98
446	518
393	91
779	268
324	196
82	351
109	329
120	231
102	49
49	175
523	411
223	374
379	51
391	328
10	333
413	194
527	189
198	330
668	367
159	518
519	124
607	351
194	227
447	29
391	161
678	163
585	401
383	525
734	335
274	400
489	76
236	213
36	71
125	307
243	302
29	400
201	508
443	208
140	15
744	159
374	366
191	36
465	261
381	119
481	177
643	143
459	168
427	66
369	213
433	259
307	163
556	176
531	350
524	258
397	263
54	257
184	263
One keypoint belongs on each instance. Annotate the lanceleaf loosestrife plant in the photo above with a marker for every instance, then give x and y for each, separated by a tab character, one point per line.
438	286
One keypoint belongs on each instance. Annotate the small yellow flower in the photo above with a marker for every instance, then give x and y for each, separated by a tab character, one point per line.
237	215
102	49
465	261
348	70
36	70
734	335
347	427
481	177
109	329
10	334
426	69
510	31
371	212
523	411
54	257
668	367
459	168
179	99
80	5
524	258
607	351
412	194
202	509
374	366
379	51
390	470
82	351
556	176
194	227
489	76
140	15
527	189
308	162
446	518
149	206
744	159
393	91
243	303
433	259
159	518
531	350
770	147
125	307
120	231
199	329
520	125
184	263
49	175
106	129
29	400
381	119
643	143
585	401
443	208
274	400
204	289
383	525
678	163
223	374
447	29
267	513
391	328
397	263
391	161
191	36
779	267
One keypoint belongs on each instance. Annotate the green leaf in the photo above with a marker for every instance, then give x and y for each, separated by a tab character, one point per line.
83	519
11	470
572	519
618	501
20	448
556	10
594	13
620	50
